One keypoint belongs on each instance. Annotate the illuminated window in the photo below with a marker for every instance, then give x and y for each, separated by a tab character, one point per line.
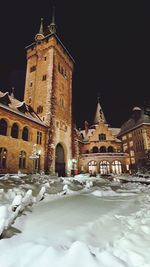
104	167
3	157
22	160
39	138
117	167
3	127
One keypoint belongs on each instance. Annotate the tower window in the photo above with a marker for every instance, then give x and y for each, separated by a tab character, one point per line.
3	127
39	109
44	78
33	68
45	58
31	83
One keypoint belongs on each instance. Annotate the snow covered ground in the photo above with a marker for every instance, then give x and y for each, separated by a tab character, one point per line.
82	221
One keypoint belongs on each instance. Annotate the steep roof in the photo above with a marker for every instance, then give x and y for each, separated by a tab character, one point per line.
99	115
21	108
139	116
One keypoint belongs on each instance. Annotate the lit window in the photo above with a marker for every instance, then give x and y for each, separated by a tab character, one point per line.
3	157
39	138
22	160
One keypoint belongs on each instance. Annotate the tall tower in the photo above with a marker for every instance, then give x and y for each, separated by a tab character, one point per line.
48	89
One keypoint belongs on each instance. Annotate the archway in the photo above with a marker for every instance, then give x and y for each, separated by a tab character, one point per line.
60	160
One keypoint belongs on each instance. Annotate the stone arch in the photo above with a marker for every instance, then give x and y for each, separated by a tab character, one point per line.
102	149
3	127
104	167
116	167
60	157
15	130
25	134
95	149
110	149
92	167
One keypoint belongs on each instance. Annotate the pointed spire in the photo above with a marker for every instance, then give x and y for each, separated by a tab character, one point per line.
99	116
41	27
12	92
40	35
52	26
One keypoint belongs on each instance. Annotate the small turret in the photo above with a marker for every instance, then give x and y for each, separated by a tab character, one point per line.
39	36
52	26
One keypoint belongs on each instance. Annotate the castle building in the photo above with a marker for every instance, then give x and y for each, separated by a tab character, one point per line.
45	111
101	150
135	137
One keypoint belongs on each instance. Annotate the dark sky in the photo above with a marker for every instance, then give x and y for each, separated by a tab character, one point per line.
109	41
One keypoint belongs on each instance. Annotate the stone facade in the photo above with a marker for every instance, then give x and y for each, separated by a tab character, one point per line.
101	150
14	145
135	137
48	90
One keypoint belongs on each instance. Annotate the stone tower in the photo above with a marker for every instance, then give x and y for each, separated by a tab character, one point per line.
48	89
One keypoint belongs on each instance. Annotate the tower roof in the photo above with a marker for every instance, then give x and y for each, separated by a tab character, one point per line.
52	26
40	34
99	116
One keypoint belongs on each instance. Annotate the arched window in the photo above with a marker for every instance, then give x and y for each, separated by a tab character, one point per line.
25	134
116	167
104	167
3	157
22	160
102	149
92	165
110	149
3	127
95	149
14	130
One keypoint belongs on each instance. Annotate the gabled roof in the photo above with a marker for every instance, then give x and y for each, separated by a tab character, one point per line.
139	117
12	104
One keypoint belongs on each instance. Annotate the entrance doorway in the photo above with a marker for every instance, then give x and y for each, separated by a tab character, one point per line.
60	160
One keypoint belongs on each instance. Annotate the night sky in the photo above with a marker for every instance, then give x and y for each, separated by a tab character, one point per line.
109	41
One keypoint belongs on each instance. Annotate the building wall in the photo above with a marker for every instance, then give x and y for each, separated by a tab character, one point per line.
53	94
136	142
15	145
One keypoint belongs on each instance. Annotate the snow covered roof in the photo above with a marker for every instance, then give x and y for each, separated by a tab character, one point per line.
19	107
139	117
